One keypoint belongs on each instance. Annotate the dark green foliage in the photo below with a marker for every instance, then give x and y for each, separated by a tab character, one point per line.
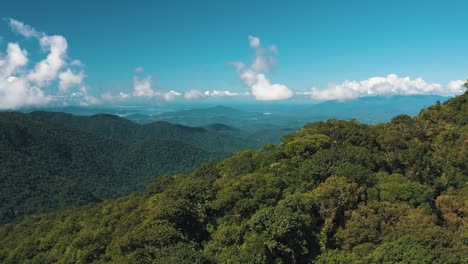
398	188
46	166
124	130
333	192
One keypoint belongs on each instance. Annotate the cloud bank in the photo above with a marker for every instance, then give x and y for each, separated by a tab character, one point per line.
392	84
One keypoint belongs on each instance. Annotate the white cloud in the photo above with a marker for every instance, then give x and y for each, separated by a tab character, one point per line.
68	78
254	42
123	95
21	85
139	69
455	87
237	64
263	61
143	87
77	63
168	96
87	98
196	94
392	84
83	97
221	93
48	69
15	58
254	75
193	94
263	90
24	30
15	90
334	92
112	98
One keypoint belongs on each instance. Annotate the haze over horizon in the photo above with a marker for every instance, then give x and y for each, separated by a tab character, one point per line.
150	54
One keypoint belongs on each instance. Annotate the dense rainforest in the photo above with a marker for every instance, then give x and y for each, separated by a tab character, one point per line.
46	165
122	129
332	192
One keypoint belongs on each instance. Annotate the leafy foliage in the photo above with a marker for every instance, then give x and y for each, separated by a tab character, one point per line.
333	192
124	130
46	166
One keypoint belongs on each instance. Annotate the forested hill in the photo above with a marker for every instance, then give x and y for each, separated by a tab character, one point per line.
121	129
332	192
45	166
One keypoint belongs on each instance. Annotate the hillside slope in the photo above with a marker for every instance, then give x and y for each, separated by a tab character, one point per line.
45	166
121	129
332	192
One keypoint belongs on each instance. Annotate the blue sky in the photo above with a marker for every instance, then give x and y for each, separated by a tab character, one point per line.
190	45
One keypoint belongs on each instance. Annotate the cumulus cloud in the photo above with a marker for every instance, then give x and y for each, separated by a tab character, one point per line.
254	42
68	78
82	97
168	96
237	64
23	29
87	98
255	77
15	58
262	89
455	87
22	86
77	63
193	94
16	91
263	61
139	69
392	84
48	69
123	95
143	87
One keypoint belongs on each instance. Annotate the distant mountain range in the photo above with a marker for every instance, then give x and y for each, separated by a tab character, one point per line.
374	109
253	124
268	123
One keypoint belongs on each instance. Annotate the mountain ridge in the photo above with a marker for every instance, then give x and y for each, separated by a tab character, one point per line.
122	129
